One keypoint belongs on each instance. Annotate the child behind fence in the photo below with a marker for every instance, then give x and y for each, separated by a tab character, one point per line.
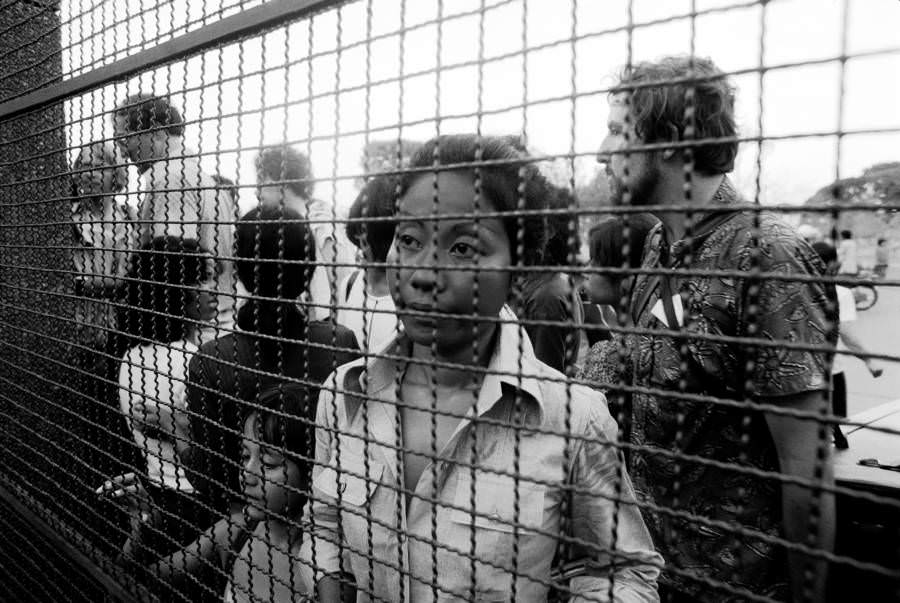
255	544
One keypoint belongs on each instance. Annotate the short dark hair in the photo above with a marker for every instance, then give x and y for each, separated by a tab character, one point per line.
158	288
882	240
562	229
265	234
376	200
285	164
608	240
660	96
846	234
827	252
503	184
287	417
149	112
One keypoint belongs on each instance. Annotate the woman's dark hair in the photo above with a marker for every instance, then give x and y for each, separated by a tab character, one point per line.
608	240
285	164
375	200
159	288
846	234
663	93
510	185
287	418
562	230
829	255
275	255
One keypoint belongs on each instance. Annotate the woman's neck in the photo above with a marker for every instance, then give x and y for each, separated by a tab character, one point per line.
432	371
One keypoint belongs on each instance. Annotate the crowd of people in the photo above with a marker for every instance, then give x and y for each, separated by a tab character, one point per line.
459	411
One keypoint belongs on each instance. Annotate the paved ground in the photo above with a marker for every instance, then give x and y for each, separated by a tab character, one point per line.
881	328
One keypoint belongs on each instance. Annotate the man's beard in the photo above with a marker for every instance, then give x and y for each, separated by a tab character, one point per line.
641	190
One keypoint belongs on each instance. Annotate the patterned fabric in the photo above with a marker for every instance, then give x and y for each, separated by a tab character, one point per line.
777	312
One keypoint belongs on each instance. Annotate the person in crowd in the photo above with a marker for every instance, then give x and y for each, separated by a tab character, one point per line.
551	309
275	344
463	387
103	230
660	102
104	227
256	544
882	258
365	304
177	197
166	302
615	242
850	339
848	254
284	178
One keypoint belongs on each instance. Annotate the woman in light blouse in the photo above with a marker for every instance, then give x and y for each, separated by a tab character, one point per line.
460	467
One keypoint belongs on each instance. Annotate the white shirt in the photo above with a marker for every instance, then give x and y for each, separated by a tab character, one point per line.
374	321
152	398
180	199
847	257
846	313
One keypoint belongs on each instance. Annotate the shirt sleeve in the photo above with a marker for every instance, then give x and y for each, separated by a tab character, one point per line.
612	538
789	311
320	554
846	304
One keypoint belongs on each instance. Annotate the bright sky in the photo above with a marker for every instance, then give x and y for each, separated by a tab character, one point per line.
798	100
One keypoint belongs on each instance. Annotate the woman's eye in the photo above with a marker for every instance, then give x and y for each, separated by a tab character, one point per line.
463	250
272	460
409	242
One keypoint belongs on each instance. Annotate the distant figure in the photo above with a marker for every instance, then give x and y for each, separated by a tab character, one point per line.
850	339
549	296
177	197
365	305
882	258
847	254
275	344
615	242
284	178
166	302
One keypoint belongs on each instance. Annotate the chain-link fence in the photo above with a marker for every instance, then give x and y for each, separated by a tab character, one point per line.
477	300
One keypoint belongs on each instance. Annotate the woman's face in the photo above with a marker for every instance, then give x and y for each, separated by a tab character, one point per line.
437	264
270	480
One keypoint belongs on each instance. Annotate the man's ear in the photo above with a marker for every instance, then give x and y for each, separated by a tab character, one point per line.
674	136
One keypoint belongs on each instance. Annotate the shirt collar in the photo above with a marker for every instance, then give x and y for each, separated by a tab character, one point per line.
513	365
707	223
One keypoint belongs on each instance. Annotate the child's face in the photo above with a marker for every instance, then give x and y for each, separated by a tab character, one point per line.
268	477
462	244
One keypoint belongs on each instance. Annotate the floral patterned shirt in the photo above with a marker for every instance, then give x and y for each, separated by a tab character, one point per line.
769	310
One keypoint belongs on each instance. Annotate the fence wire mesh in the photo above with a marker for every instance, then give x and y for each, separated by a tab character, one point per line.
332	300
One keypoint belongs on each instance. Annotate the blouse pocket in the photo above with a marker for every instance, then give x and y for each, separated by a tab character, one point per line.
354	484
495	503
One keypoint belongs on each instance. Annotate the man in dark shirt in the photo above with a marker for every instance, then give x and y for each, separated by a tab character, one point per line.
712	349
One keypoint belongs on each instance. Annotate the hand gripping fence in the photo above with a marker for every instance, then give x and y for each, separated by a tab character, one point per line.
490	300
